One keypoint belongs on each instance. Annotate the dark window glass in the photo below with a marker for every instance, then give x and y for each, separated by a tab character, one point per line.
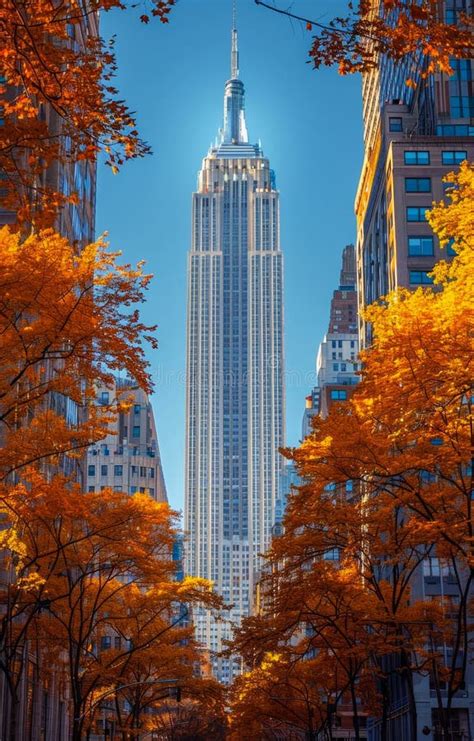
91	470
103	470
454	157
136	431
417	158
395	123
118	470
420	246
417	213
136	408
417	185
450	249
338	394
420	278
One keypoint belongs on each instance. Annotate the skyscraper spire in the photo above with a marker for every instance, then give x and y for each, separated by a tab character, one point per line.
234	57
234	130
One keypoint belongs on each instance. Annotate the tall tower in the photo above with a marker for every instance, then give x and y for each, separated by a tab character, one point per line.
235	397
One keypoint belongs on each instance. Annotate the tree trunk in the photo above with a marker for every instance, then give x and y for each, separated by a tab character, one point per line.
355	713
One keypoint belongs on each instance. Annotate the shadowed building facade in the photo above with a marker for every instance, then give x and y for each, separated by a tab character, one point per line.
413	137
235	398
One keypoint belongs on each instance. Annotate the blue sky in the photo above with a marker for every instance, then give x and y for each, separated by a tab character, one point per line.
309	123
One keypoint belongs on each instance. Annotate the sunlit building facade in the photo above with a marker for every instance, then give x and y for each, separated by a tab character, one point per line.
413	137
337	362
128	458
235	397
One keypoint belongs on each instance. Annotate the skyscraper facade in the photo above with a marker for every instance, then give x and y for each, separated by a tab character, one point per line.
128	458
235	396
413	136
337	362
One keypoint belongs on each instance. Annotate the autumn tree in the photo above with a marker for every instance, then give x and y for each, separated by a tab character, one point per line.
199	713
292	702
95	589
68	321
59	103
396	29
387	481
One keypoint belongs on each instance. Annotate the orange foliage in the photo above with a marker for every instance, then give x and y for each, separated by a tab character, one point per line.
94	585
387	482
394	28
58	101
67	322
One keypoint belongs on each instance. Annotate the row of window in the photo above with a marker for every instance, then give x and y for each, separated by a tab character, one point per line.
118	471
133	489
422	157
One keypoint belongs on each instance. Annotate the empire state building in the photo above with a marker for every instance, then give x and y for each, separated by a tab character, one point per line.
234	394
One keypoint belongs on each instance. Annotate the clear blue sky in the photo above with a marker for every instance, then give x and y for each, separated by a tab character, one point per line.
310	126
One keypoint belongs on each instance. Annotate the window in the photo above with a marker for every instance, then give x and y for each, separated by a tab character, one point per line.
455	130
91	488
343	366
420	278
103	470
417	185
454	157
417	213
335	366
338	394
395	123
152	473
417	158
117	488
117	642
142	471
104	397
136	408
136	431
105	642
450	249
133	489
420	246
91	470
118	470
462	106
